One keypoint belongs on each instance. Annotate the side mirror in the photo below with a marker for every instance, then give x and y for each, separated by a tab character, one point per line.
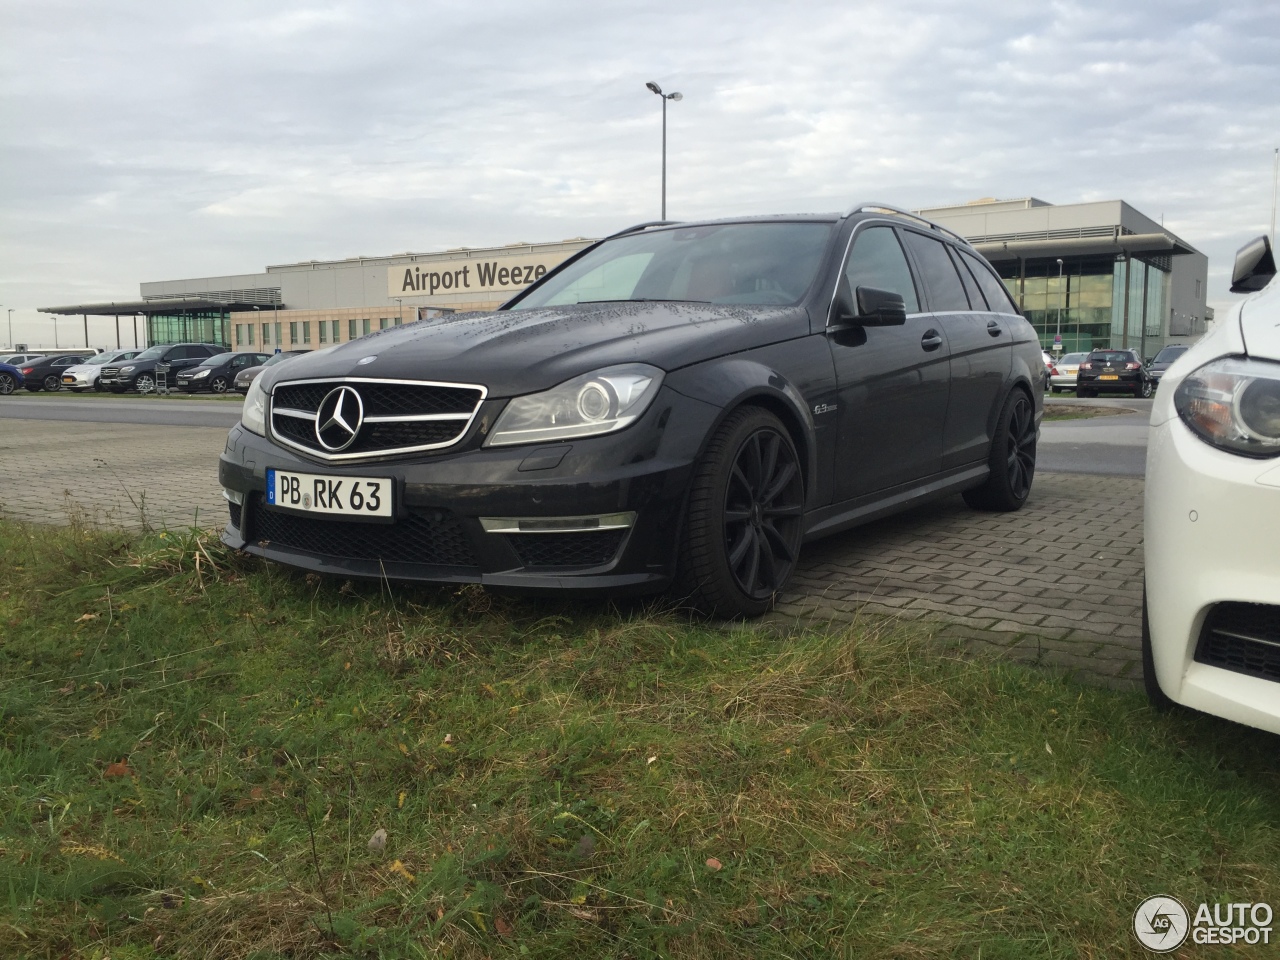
880	308
1255	266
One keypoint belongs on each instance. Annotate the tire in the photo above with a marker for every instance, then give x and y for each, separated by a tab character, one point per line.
218	384
8	384
1083	393
1143	392
52	383
144	383
1160	702
98	387
745	518
1012	459
1055	389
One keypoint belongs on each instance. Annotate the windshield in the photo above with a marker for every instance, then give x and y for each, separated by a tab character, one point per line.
217	360
1073	358
754	264
1170	354
152	353
278	358
102	358
1111	356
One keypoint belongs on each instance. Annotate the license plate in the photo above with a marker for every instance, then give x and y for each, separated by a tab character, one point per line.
1108	376
68	379
339	496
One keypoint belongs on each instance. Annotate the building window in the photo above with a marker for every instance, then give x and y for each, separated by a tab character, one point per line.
278	340
266	334
1197	289
336	331
382	323
397	321
239	334
250	332
324	332
351	329
365	325
306	331
293	332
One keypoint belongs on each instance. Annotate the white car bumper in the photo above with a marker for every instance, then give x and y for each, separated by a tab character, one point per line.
1212	536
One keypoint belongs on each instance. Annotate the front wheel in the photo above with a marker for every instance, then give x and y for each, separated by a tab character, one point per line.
1143	391
8	384
53	383
1012	459
218	385
145	383
744	524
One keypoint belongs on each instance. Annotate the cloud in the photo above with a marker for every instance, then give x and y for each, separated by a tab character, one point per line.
151	141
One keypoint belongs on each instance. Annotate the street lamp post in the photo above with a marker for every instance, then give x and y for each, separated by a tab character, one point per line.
665	97
1057	340
399	301
11	329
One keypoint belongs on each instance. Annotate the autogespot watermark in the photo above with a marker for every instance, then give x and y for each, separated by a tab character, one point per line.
1162	923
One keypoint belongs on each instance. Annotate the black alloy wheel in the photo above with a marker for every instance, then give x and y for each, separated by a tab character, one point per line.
8	383
218	384
53	383
744	524
1012	459
1143	390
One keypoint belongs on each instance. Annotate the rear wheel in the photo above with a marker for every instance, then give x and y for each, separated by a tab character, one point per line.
8	384
53	383
1143	390
744	525
1084	392
1012	459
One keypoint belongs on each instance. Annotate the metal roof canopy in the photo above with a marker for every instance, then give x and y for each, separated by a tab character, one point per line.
166	306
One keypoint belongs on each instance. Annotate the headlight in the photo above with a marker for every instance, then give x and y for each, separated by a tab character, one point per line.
585	406
254	415
1234	404
127	369
200	375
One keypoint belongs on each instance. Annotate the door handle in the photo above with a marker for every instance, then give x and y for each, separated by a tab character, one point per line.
931	340
993	328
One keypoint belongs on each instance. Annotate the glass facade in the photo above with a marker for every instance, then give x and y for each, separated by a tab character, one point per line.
191	326
1087	304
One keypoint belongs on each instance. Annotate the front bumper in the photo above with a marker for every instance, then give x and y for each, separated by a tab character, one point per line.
77	381
437	534
1212	524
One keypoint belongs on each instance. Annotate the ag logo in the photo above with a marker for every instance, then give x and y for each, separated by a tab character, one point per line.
1161	923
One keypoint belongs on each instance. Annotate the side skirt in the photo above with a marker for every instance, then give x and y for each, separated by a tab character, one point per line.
853	513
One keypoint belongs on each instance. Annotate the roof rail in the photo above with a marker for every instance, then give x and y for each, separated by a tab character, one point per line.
874	206
642	226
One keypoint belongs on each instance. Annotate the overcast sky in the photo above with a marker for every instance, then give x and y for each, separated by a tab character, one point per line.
169	139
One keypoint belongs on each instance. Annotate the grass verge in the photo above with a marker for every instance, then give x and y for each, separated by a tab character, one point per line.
198	751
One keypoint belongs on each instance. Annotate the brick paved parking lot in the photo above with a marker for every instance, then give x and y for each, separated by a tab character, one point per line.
1059	583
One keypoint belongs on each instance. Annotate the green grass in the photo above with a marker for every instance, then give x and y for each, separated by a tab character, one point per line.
195	750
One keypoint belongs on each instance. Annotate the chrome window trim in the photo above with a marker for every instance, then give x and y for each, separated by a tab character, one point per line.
376	454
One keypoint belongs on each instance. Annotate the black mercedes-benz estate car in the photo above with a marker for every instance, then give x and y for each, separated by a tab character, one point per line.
678	405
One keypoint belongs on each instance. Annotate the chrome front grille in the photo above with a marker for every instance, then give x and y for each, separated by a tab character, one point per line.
395	416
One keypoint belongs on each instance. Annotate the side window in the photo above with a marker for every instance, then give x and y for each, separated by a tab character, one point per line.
991	285
976	300
877	261
240	361
946	292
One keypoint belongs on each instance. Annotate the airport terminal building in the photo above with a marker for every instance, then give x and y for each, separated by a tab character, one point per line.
1086	275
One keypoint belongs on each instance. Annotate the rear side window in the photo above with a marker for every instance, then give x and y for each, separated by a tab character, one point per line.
992	287
942	283
877	261
976	300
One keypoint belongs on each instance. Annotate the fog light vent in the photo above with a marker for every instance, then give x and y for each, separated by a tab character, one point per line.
1243	638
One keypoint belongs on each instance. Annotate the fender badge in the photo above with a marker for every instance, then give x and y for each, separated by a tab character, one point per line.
363	360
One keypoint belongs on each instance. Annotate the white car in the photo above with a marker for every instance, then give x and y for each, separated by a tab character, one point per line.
84	376
1211	617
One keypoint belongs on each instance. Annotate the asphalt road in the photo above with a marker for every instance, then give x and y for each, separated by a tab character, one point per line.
155	411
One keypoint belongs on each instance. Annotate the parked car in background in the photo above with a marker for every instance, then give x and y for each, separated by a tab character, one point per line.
246	376
1112	371
678	405
10	379
17	359
1065	369
1049	368
1164	359
46	373
216	373
1211	610
86	376
140	372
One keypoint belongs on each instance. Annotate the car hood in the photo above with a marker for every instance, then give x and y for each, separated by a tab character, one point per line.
522	351
1260	323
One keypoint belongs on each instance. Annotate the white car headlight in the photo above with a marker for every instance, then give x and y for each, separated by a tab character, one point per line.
1233	403
585	406
254	415
127	369
201	374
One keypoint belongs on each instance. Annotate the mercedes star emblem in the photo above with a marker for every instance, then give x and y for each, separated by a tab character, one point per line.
338	419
